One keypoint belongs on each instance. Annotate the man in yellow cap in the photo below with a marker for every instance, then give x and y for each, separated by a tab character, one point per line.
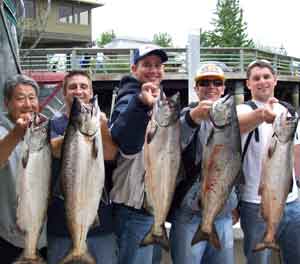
186	215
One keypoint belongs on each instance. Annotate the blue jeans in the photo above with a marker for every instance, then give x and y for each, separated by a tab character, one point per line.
184	225
157	254
103	248
288	233
131	226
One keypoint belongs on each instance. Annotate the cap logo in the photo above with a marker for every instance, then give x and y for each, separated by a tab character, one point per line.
210	68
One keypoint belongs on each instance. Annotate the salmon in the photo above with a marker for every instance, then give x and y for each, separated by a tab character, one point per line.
162	162
221	167
33	188
277	176
82	176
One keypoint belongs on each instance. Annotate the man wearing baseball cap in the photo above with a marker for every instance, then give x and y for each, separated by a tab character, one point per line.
186	215
132	112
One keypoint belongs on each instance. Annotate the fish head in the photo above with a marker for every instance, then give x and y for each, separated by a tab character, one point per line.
37	133
85	117
167	109
284	126
221	113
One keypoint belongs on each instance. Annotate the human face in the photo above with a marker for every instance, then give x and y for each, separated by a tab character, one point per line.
210	88
261	83
149	69
24	100
79	86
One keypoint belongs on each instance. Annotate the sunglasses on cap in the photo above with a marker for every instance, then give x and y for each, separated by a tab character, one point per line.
206	83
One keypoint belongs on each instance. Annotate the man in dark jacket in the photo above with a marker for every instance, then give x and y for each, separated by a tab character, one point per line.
130	117
186	216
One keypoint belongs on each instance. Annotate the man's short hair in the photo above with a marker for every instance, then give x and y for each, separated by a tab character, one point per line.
13	81
70	74
260	64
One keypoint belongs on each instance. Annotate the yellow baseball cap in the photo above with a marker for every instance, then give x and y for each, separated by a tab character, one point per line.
209	70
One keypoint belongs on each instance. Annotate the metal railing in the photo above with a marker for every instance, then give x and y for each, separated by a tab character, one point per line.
117	61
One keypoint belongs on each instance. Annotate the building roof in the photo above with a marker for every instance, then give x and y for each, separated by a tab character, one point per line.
127	43
95	3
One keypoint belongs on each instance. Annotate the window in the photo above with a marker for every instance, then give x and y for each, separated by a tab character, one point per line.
65	14
70	14
29	8
81	16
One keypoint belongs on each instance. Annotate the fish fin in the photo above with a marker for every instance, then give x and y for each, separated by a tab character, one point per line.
96	144
151	238
264	245
261	189
25	157
272	148
213	237
96	222
210	135
85	258
25	260
151	133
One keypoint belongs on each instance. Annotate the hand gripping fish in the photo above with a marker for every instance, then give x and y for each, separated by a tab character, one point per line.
162	162
277	176
82	176
221	167
33	188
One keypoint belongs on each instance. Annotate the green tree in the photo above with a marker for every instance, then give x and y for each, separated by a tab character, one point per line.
230	29
163	39
105	38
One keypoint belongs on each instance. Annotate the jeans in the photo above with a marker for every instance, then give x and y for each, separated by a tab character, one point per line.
184	225
131	226
288	233
102	247
157	254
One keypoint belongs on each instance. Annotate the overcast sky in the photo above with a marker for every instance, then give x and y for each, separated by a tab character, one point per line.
270	23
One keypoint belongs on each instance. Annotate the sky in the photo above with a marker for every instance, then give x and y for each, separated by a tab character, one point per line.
270	23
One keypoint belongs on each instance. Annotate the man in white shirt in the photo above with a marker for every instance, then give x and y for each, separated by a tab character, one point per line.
261	81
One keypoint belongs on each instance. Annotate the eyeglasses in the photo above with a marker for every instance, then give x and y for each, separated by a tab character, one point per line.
206	83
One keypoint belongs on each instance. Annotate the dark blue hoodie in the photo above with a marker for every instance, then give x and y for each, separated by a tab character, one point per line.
130	117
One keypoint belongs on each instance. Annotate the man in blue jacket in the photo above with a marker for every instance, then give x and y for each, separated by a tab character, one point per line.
132	112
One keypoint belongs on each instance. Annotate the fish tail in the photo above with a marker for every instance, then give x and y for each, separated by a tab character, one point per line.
263	245
212	237
29	260
84	258
152	238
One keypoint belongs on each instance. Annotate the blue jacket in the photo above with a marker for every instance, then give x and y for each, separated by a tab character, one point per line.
130	117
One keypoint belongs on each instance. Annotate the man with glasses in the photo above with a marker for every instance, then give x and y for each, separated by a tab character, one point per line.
186	215
261	81
131	114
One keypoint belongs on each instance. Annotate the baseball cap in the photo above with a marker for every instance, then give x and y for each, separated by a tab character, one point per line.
209	70
146	50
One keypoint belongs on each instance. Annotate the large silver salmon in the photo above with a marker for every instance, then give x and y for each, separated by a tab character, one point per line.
221	166
277	176
33	188
162	161
82	176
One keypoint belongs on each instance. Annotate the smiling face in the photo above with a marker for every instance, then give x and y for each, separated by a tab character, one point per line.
261	82
79	86
149	69
23	100
209	88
